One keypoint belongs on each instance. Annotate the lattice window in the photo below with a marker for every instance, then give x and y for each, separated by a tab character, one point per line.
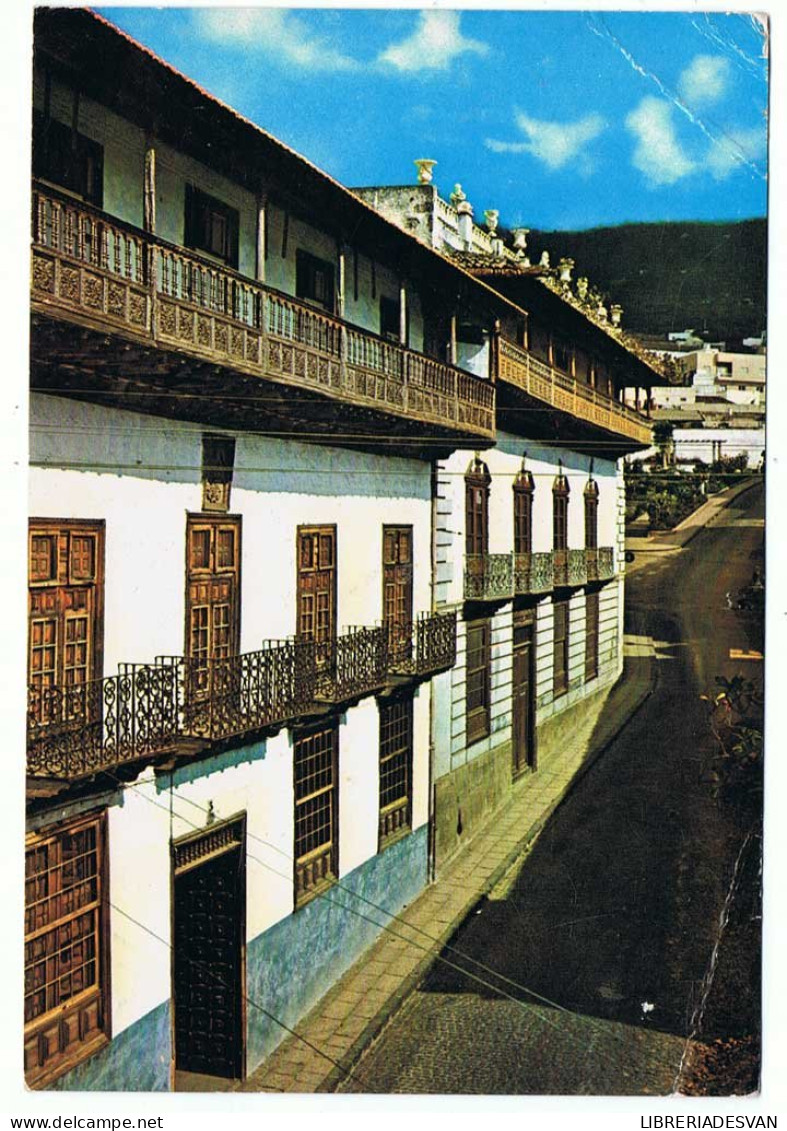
478	680
591	635
316	582
560	648
315	758
396	767
477	484
211	226
67	158
65	958
212	595
591	515
315	279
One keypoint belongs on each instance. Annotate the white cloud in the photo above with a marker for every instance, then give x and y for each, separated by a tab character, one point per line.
434	44
274	31
704	80
658	153
554	143
734	149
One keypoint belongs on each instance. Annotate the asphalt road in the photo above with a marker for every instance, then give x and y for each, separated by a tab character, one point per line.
600	937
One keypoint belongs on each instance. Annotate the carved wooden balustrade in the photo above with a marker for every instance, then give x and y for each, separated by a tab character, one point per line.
423	646
577	567
600	563
82	729
535	377
533	573
110	273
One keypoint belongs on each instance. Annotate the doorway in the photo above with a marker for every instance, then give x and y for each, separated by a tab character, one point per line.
523	746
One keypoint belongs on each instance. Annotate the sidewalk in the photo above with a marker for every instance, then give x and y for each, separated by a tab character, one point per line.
331	1039
668	541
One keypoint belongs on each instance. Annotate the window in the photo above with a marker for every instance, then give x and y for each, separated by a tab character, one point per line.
524	486
316	583
560	648
562	357
65	627
396	768
591	635
560	492
218	458
212	596
477	482
211	226
478	691
591	515
398	590
315	758
66	957
314	280
66	158
390	319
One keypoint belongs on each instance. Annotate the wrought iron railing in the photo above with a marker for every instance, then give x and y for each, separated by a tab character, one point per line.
89	262
350	665
250	691
85	728
606	563
489	577
542	381
422	646
533	573
560	567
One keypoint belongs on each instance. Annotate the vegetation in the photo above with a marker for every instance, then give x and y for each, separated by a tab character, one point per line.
670	495
674	276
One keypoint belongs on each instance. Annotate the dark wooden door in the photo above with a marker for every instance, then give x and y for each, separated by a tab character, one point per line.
523	696
398	589
207	965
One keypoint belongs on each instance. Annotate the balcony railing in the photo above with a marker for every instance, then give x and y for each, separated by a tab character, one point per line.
350	665
423	646
542	381
105	271
533	573
600	563
489	577
89	727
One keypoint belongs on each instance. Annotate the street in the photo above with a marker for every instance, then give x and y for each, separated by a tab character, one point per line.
583	971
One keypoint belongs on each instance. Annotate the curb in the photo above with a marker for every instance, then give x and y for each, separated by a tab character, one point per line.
693	531
397	999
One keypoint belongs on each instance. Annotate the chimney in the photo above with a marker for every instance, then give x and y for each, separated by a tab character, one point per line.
424	166
616	311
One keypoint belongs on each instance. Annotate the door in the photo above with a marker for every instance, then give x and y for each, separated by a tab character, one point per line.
398	590
523	695
212	605
316	615
208	936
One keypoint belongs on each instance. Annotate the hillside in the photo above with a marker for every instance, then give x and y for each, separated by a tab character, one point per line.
673	276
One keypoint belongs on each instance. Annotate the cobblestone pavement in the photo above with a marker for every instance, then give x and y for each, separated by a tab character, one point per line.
613	914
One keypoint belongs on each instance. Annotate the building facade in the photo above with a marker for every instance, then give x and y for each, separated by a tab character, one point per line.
285	552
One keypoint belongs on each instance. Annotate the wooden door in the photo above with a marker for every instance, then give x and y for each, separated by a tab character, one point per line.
212	596
523	699
208	944
316	585
398	590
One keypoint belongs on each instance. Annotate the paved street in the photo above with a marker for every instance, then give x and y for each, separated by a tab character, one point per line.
596	942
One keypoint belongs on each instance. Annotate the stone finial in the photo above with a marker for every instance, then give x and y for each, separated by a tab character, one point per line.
616	312
601	311
457	196
424	165
498	247
582	287
544	260
491	216
520	241
565	267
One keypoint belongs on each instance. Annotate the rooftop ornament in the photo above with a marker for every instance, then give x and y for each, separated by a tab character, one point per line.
458	196
424	166
582	288
491	216
565	267
544	260
520	245
616	312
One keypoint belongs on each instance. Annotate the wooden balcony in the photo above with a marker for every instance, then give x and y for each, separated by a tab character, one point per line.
533	573
174	319
572	401
489	577
422	647
600	563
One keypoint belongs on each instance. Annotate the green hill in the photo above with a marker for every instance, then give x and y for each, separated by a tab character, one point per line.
673	276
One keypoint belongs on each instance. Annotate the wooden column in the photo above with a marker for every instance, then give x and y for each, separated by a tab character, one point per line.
494	351
262	231
342	260
149	188
402	314
452	341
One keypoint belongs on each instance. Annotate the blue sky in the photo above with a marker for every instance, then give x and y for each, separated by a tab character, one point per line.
557	119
